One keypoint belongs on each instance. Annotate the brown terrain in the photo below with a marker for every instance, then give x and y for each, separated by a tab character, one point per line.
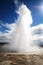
20	59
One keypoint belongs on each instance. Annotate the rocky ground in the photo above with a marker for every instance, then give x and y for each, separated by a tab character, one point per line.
20	59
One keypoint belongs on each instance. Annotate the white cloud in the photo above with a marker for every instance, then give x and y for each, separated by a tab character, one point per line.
23	37
3	38
1	34
37	33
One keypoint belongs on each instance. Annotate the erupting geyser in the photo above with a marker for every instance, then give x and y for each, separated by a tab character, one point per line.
21	39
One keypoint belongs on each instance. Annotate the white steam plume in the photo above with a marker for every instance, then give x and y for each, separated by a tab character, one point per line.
22	37
21	40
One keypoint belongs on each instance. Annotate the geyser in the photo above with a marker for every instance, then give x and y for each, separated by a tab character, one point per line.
21	39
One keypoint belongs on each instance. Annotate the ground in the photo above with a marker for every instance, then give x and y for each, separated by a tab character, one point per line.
20	59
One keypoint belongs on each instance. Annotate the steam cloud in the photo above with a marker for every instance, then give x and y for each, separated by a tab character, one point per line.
21	32
22	36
